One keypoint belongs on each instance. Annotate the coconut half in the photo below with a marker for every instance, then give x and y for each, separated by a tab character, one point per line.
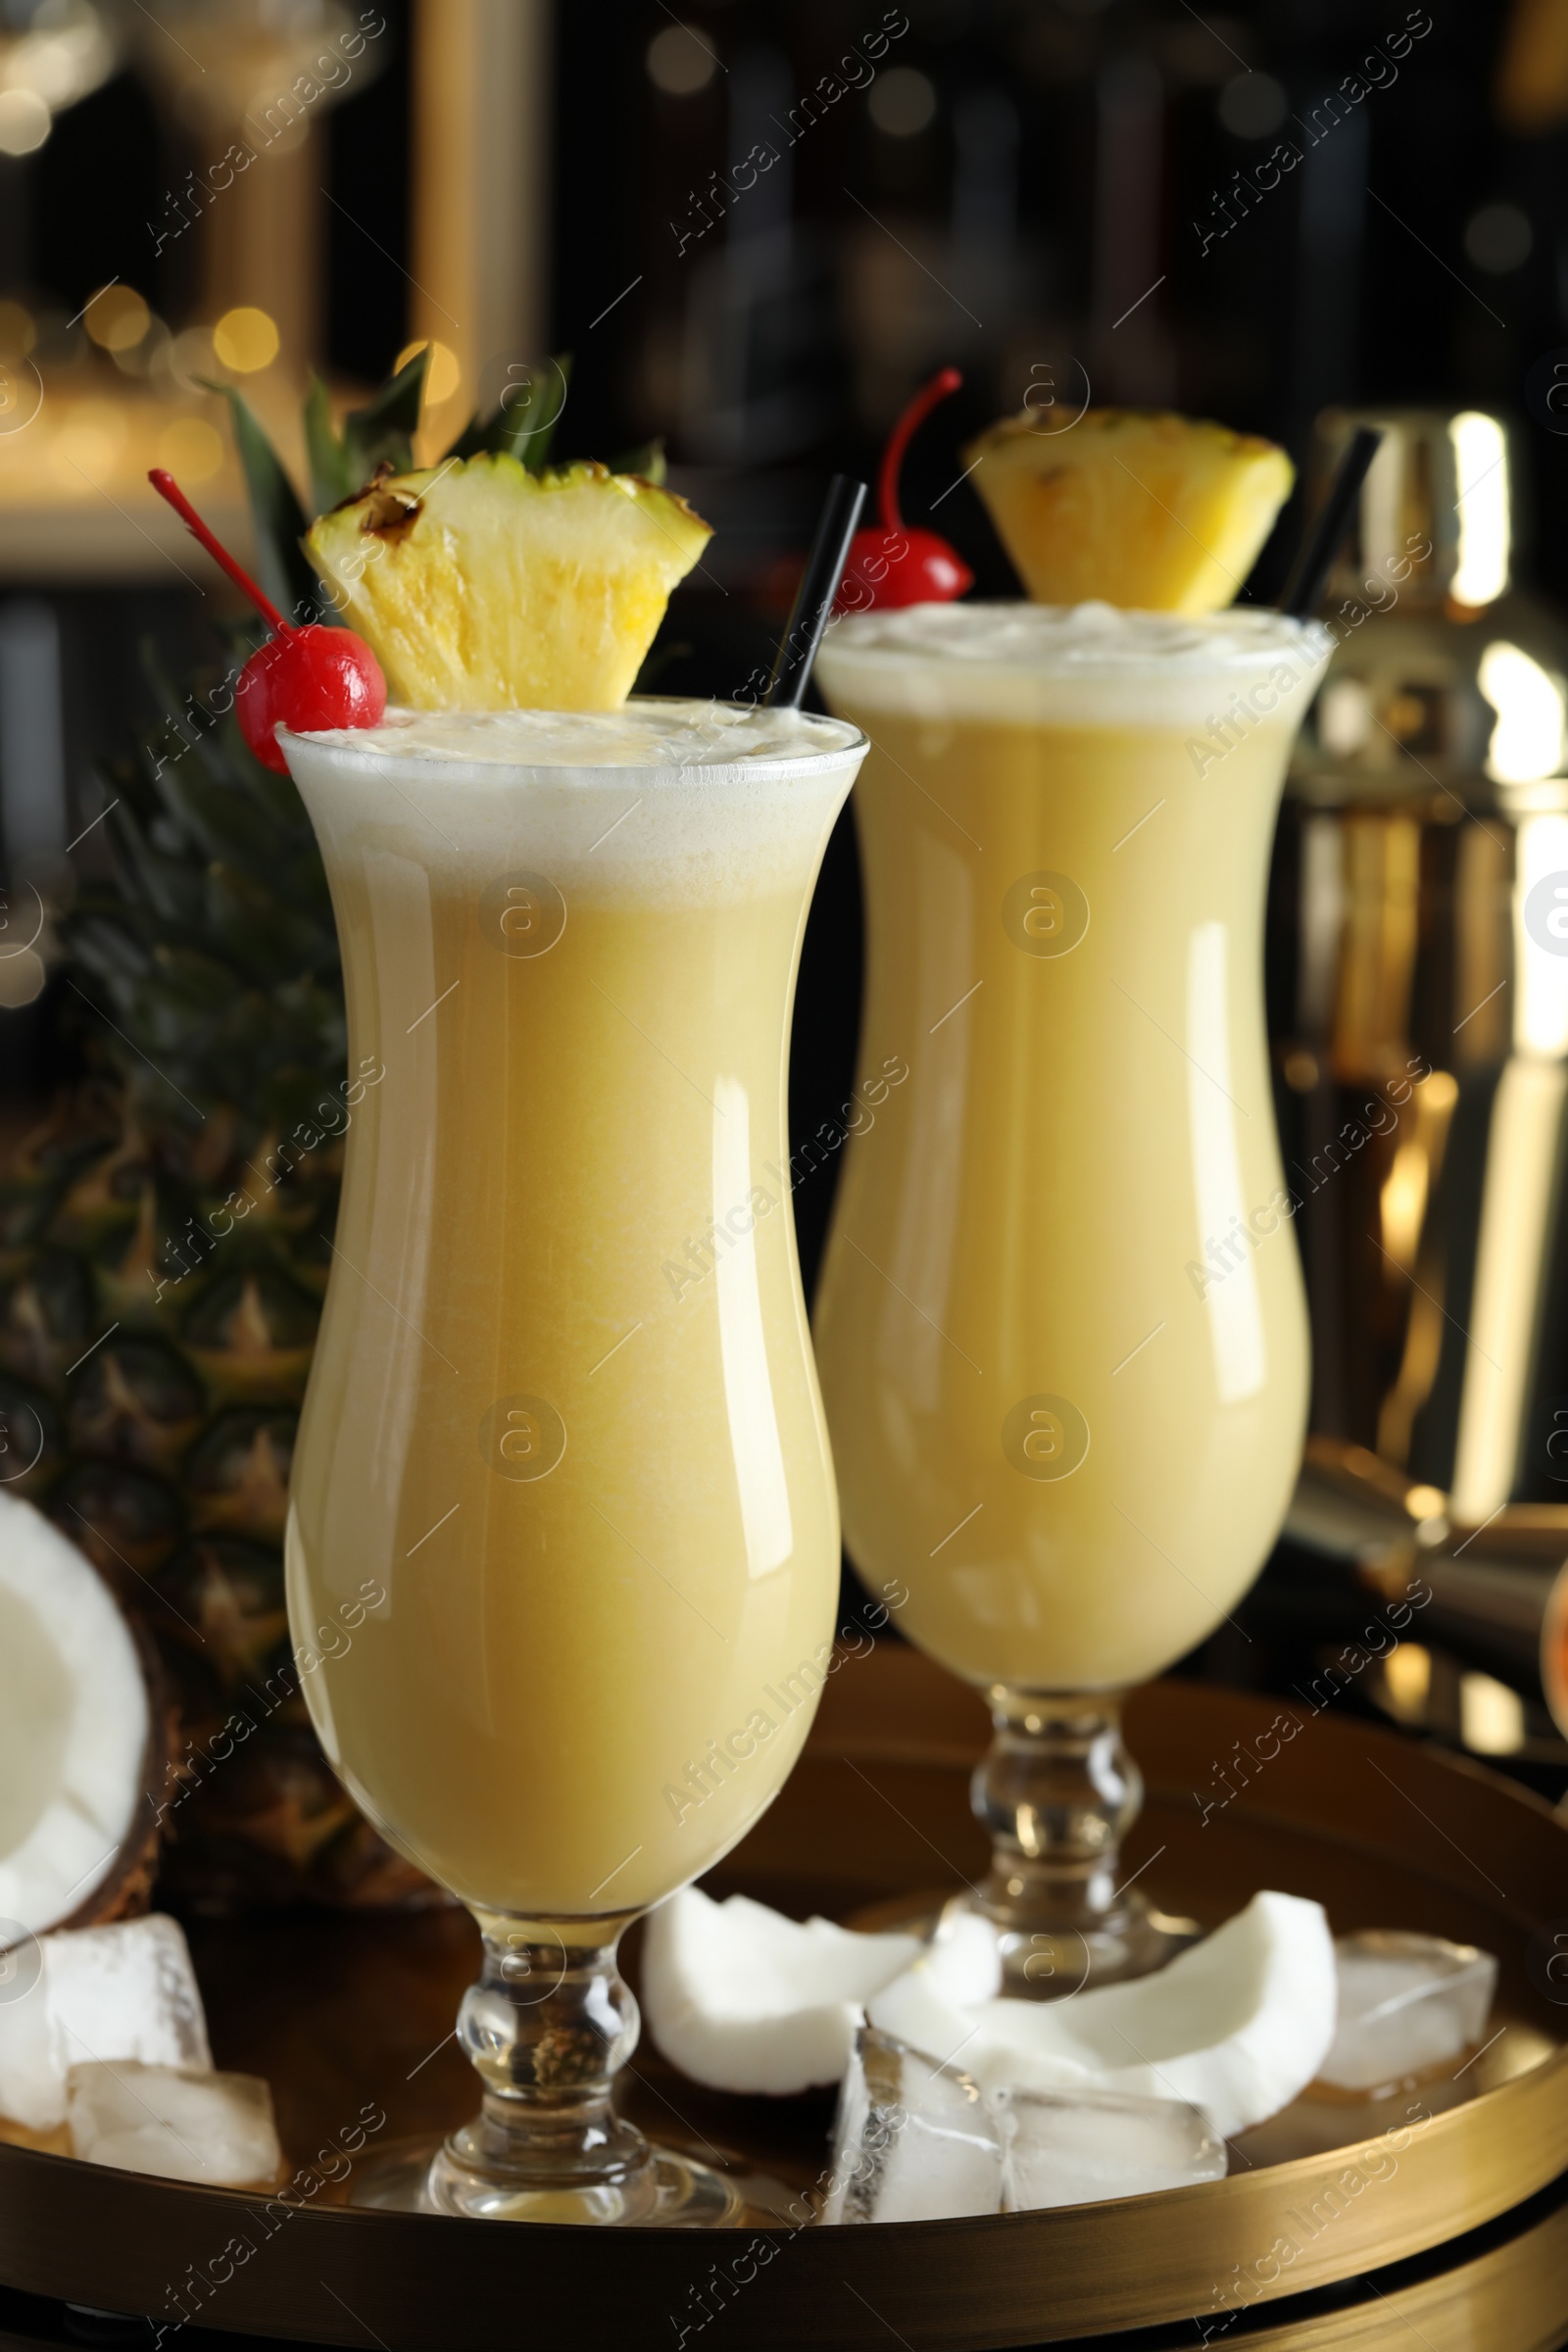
1237	2025
82	1739
742	1998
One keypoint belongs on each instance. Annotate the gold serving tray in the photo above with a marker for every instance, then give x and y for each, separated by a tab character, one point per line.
351	2018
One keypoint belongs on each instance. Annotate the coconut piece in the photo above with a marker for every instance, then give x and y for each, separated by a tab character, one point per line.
1236	2026
742	1998
83	1738
931	2005
210	2128
963	1962
98	1994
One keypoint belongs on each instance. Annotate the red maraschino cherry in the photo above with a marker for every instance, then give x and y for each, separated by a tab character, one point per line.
302	678
893	565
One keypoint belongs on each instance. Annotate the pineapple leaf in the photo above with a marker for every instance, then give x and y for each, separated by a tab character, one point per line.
510	430
129	781
261	935
331	476
202	982
171	889
105	944
197	789
647	460
384	429
220	822
280	520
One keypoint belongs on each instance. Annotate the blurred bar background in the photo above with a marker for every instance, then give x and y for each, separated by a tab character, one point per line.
756	227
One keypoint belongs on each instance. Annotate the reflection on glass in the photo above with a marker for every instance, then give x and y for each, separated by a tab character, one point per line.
1481	470
1527	741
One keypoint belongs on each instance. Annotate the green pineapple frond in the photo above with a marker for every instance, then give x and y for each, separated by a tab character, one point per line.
381	433
343	459
211	953
523	424
279	521
647	458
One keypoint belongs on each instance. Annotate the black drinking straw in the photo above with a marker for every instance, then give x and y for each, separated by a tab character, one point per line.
813	601
1316	558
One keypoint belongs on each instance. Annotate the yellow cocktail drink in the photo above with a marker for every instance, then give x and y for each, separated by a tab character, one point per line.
563	1409
1062	1326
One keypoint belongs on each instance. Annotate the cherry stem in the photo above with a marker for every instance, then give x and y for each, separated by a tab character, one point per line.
945	380
167	487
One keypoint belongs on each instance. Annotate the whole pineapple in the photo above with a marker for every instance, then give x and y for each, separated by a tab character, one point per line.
165	1240
166	1236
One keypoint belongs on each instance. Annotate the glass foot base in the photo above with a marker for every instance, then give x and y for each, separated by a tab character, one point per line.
1044	1964
669	2192
1057	1793
1053	1963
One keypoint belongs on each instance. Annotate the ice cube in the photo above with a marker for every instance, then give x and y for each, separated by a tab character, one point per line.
1079	2147
915	2141
216	2129
102	1993
1407	2004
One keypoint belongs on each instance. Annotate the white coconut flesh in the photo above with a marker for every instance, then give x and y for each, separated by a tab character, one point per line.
1237	2025
743	1999
75	1725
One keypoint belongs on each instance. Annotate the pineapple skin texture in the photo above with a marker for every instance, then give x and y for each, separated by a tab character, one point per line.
480	586
163	1255
1154	513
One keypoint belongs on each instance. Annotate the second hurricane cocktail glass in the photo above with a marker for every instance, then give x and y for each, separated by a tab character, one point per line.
562	1416
1062	1327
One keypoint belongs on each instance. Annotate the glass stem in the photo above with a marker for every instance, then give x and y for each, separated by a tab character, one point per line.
1058	1791
548	2026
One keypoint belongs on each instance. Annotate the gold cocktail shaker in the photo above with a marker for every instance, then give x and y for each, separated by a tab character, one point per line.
1418	981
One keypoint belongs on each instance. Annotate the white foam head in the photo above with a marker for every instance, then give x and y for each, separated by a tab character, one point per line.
665	736
700	800
1078	666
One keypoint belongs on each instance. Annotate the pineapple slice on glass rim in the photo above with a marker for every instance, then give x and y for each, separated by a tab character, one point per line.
481	586
1155	512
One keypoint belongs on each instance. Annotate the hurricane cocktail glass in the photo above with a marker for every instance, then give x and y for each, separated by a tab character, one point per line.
562	1418
1061	1325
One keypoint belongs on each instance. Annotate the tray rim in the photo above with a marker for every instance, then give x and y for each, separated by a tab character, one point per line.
82	2234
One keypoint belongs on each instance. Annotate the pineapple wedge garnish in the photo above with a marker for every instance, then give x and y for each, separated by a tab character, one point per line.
1156	512
480	586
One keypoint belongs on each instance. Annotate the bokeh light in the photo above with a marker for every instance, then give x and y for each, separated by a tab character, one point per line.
191	449
116	317
443	375
87	444
679	63
25	122
190	357
18	330
903	103
1252	105
245	339
1498	238
22	978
